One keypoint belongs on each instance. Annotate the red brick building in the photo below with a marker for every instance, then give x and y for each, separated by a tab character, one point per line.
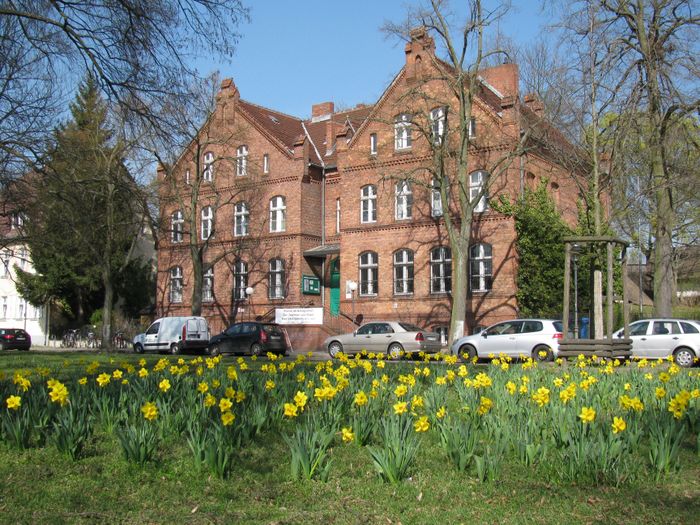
340	197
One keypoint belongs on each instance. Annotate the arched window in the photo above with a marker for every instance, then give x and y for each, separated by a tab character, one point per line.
402	131
404	200
441	270
176	284
369	269
241	217
177	225
242	161
208	285
477	182
208	171
368	204
275	287
438	124
240	280
207	222
480	267
278	214
403	272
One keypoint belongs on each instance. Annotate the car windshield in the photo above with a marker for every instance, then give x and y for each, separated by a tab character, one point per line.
410	327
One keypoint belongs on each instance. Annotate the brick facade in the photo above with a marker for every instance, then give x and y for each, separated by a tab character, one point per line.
320	166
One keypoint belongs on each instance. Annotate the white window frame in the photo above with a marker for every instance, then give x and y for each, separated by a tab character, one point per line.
187	176
16	220
208	285
242	161
404	200
438	124
177	226
278	214
369	274
176	284
402	132
368	204
373	144
208	171
435	199
477	180
440	270
403	272
207	222
5	262
337	215
241	219
275	278
240	280
22	256
266	163
472	128
480	267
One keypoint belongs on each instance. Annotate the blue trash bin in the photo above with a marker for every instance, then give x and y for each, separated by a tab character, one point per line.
583	330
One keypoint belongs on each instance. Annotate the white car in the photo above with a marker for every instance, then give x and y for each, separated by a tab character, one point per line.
392	338
536	338
660	338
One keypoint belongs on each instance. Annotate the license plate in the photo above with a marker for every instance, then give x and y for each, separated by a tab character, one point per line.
20	338
274	337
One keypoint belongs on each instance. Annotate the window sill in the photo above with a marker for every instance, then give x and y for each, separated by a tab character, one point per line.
403	151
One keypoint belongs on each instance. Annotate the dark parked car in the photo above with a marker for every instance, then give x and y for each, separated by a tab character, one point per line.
15	338
249	338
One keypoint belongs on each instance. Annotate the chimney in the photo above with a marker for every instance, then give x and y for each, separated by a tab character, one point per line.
503	78
418	50
227	91
322	111
534	102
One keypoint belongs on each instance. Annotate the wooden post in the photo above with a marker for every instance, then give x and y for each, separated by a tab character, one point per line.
611	316
625	300
567	284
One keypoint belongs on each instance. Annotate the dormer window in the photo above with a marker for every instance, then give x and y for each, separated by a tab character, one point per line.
373	144
402	132
242	161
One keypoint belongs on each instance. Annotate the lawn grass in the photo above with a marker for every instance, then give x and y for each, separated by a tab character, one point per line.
40	485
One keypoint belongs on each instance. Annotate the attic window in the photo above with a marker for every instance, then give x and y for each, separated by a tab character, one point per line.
274	119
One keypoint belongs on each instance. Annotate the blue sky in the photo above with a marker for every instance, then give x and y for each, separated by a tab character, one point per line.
294	54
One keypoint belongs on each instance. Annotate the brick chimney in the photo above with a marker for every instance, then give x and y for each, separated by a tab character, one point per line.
227	91
322	111
503	78
533	101
418	51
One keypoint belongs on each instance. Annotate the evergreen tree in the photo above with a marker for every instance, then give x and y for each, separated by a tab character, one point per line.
82	220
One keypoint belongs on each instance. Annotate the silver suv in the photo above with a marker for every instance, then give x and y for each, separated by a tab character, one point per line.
536	338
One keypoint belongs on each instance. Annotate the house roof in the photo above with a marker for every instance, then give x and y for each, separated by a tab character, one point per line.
280	126
340	120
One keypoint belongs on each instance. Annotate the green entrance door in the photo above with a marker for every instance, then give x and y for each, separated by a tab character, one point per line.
335	287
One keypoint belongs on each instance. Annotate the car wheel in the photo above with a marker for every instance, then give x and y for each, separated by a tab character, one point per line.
684	357
214	349
174	348
394	351
548	355
138	349
467	353
256	349
334	349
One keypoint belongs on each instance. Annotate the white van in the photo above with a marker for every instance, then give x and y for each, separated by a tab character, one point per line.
173	334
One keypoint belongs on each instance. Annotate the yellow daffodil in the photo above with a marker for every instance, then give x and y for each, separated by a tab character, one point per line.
348	435
421	424
290	410
227	418
618	425
150	411
587	415
400	407
164	385
13	402
225	404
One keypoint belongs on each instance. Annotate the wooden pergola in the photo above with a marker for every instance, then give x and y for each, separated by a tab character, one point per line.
607	347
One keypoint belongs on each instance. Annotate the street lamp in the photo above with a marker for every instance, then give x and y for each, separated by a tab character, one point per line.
249	294
352	285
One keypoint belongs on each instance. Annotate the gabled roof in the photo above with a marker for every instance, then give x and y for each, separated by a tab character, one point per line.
280	126
351	118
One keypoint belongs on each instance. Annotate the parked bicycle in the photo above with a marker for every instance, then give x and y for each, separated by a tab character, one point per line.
69	339
118	340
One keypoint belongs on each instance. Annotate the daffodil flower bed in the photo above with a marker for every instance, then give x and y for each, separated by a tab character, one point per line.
588	420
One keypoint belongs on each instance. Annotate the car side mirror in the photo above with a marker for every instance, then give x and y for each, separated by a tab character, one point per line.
484	335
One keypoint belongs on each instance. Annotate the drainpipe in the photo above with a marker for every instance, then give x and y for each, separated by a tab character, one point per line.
323	213
522	170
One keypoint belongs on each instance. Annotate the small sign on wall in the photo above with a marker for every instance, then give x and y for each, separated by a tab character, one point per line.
310	285
299	315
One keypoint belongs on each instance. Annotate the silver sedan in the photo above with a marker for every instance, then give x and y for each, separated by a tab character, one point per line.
661	338
385	337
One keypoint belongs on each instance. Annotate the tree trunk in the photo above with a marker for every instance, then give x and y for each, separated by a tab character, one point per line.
460	285
663	247
197	276
107	311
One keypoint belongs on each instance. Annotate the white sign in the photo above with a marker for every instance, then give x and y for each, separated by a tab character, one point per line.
299	315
